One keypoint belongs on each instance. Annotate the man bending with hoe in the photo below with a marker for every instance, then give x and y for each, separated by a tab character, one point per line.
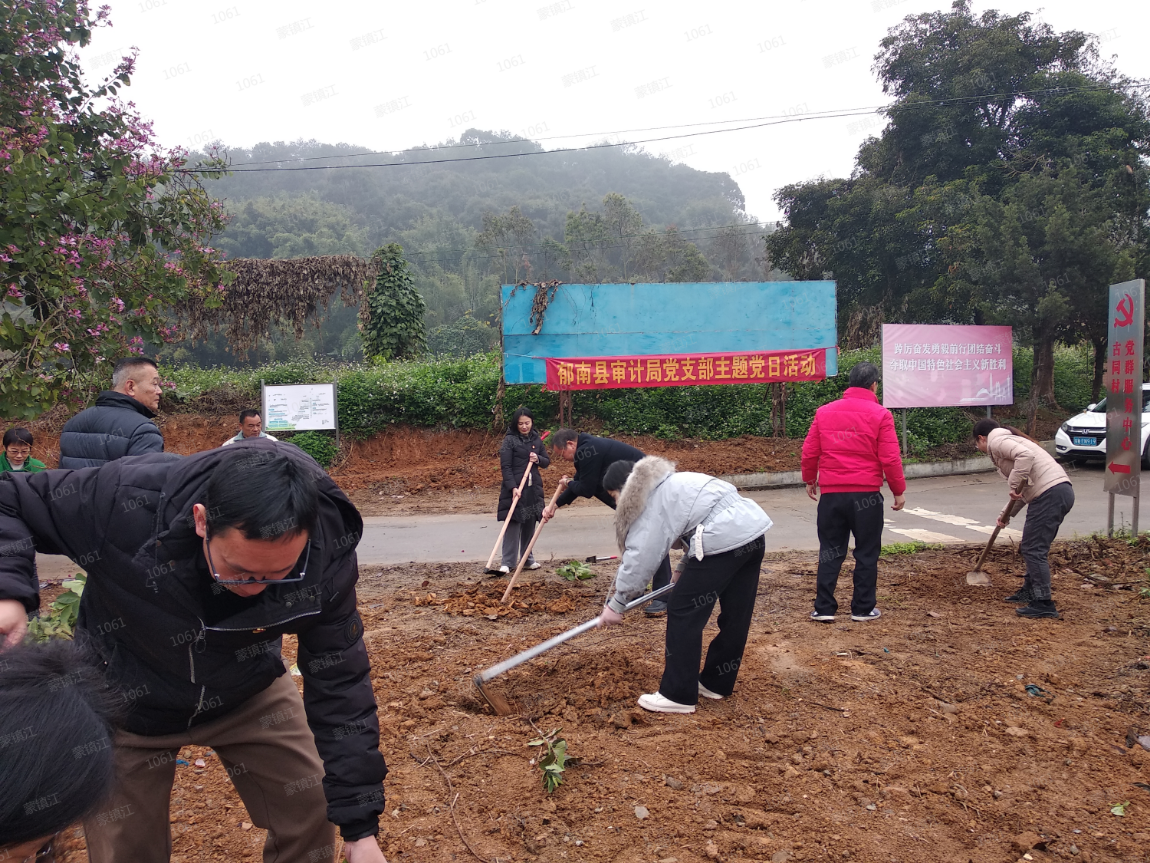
592	456
850	447
197	567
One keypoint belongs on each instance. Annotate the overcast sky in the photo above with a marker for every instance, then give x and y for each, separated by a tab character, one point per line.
387	76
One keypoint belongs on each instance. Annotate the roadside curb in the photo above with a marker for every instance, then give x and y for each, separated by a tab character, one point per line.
789	478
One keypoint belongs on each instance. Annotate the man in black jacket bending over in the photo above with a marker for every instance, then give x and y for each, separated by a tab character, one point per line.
196	568
120	423
592	456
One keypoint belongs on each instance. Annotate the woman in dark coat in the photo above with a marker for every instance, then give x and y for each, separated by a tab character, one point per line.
521	446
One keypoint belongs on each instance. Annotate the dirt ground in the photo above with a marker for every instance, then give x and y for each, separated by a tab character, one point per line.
948	730
407	471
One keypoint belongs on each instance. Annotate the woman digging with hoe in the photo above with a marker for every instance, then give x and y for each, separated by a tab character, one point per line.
1036	478
521	448
722	534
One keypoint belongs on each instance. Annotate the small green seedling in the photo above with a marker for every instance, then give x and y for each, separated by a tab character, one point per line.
553	763
575	569
1119	809
60	621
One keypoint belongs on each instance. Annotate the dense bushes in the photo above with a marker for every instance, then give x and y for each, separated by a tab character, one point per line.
460	393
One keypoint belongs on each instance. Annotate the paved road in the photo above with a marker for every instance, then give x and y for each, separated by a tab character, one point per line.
938	509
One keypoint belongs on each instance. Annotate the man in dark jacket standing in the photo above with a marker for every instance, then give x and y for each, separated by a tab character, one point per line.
196	568
592	456
850	447
120	423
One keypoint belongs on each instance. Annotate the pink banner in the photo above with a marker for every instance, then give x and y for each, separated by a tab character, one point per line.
927	366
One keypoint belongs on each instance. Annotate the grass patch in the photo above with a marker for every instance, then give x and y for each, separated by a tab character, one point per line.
896	548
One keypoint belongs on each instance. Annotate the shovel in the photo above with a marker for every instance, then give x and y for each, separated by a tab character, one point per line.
498	702
507	521
976	576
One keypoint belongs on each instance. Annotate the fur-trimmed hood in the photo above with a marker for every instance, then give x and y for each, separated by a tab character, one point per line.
645	477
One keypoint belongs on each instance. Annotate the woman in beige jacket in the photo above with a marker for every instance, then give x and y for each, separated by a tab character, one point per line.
1036	478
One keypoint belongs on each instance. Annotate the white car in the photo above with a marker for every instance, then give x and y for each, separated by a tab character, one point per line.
1083	437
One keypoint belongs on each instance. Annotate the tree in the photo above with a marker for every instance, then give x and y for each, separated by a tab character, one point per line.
392	314
509	239
1007	145
100	231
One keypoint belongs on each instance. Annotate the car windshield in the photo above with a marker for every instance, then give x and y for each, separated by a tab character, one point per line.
1100	408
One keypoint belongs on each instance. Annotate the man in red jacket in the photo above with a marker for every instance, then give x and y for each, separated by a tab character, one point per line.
850	447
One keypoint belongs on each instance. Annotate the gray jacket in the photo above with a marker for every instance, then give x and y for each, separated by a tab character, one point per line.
659	507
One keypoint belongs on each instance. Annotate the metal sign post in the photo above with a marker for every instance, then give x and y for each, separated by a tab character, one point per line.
1126	322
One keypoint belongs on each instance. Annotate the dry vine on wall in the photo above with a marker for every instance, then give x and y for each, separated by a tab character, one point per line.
269	296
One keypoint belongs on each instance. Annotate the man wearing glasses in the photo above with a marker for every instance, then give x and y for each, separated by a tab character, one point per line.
196	568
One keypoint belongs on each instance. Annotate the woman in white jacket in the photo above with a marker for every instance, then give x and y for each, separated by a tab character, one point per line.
722	534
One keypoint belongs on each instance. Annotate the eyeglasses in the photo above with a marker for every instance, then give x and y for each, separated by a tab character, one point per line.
288	580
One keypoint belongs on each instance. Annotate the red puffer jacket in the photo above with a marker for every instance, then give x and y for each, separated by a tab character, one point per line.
852	444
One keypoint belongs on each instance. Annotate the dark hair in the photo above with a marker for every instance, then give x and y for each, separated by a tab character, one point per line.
249	412
127	366
561	438
863	375
266	495
17	435
57	718
615	477
984	427
520	412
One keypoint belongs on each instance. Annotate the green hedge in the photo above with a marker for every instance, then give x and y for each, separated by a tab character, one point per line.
460	393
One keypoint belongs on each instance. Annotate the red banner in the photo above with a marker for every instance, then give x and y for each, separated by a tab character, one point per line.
685	370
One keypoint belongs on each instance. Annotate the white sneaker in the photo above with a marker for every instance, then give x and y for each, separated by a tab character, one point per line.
656	703
875	614
505	569
706	693
535	565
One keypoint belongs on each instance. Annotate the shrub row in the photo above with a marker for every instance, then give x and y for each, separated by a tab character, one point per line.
461	393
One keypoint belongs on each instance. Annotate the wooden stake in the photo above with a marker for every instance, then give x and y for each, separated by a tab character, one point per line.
507	521
530	545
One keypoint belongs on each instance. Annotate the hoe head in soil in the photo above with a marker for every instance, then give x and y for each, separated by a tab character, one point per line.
498	702
976	576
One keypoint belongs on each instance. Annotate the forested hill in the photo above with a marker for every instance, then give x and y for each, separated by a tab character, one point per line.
381	203
593	215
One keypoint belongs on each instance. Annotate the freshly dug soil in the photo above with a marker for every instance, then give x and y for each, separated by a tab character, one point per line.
947	730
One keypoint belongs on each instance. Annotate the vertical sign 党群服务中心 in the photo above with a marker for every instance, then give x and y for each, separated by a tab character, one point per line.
1126	321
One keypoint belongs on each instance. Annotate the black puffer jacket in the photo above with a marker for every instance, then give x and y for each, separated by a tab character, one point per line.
129	524
116	426
513	459
593	455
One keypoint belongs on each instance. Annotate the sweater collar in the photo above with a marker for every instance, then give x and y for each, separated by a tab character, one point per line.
111	398
863	393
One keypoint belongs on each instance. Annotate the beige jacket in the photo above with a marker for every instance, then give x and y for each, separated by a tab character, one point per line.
1023	461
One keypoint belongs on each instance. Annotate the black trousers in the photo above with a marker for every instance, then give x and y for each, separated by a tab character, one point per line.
732	580
662	576
842	513
1044	516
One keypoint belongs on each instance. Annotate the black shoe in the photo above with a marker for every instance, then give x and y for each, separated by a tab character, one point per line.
1038	608
1023	594
655	609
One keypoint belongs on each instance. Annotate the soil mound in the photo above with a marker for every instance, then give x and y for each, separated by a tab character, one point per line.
485	600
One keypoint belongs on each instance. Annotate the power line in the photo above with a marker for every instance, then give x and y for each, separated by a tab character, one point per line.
750	123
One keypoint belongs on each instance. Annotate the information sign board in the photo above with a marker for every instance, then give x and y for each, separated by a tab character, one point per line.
299	407
1126	322
928	365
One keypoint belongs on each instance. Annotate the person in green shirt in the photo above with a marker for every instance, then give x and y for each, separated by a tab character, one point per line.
17	455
